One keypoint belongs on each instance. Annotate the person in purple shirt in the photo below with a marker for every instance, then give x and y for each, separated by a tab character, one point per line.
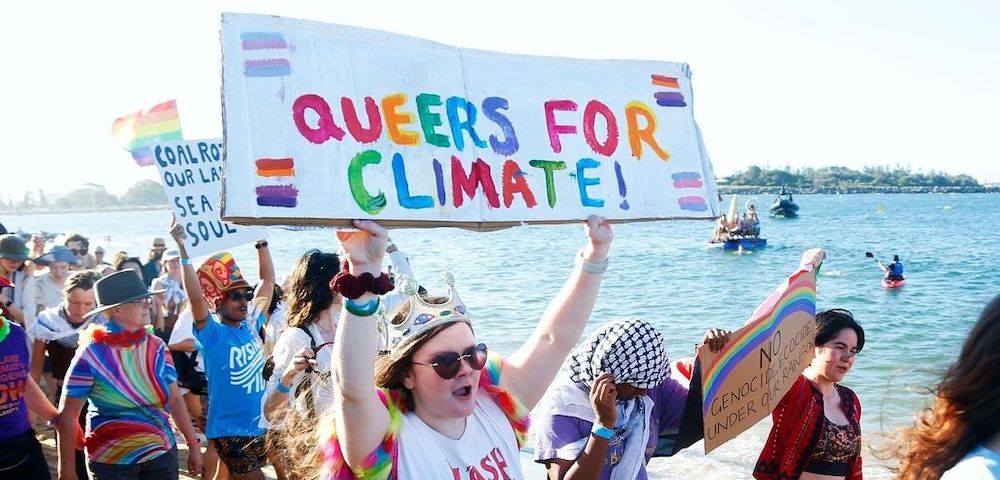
615	405
21	455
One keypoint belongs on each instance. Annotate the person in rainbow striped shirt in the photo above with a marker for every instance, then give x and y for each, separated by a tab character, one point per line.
131	383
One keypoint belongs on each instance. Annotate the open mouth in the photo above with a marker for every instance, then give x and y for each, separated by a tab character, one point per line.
463	392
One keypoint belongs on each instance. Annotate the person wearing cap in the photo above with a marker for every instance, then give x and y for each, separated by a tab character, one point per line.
152	268
80	246
21	455
227	317
131	384
173	300
48	288
448	409
18	299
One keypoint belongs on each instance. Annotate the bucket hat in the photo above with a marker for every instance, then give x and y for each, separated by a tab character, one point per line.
119	288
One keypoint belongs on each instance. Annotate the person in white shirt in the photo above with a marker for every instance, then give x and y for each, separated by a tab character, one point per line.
448	410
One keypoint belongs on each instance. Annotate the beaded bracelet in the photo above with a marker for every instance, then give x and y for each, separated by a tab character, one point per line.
361	309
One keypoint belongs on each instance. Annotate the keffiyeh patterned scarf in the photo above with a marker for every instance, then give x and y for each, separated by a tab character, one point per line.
630	350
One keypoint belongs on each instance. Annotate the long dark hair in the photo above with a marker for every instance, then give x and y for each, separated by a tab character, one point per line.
966	410
307	290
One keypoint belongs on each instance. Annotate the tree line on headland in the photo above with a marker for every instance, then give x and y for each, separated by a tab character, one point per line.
879	179
150	193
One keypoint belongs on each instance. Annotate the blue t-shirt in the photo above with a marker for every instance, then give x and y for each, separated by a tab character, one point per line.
979	464
234	362
13	379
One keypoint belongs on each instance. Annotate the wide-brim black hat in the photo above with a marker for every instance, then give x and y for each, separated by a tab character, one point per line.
119	288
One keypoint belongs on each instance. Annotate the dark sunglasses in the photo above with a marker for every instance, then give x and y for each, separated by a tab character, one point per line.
237	296
80	251
448	364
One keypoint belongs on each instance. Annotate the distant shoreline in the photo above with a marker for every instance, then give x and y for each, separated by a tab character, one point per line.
758	190
723	190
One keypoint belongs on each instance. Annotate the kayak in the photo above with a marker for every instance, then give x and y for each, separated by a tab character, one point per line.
886	283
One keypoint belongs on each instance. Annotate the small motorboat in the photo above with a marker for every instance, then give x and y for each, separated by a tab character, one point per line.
887	283
783	205
744	243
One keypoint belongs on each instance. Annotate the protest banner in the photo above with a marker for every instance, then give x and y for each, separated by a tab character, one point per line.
325	123
191	172
742	383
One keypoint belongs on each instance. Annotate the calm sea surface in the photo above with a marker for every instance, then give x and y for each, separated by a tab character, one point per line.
663	272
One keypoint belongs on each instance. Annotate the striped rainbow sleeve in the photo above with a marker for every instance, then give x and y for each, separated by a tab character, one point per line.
80	377
379	464
517	414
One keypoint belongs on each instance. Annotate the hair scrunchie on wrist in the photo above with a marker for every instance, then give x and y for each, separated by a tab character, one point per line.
353	287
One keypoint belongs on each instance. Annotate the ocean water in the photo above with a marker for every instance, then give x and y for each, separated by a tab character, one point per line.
663	272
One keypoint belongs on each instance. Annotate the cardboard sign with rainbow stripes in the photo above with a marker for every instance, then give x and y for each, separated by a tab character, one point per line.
326	123
742	383
191	172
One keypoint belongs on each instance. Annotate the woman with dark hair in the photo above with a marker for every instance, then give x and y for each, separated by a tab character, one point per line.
300	387
434	404
816	432
958	437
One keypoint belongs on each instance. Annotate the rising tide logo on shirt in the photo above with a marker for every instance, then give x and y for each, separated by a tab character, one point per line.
245	366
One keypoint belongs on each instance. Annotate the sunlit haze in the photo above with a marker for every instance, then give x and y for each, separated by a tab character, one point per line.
777	83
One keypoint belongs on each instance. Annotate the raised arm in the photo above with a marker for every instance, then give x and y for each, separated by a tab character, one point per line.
530	370
265	268
199	306
362	421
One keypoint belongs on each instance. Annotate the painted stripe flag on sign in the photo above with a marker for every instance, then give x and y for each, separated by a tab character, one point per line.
137	131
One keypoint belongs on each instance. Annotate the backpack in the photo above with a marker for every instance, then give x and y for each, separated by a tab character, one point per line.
187	376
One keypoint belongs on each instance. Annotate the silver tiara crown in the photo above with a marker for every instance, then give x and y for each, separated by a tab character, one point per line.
399	330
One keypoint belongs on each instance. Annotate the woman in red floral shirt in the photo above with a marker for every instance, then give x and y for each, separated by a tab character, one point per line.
816	433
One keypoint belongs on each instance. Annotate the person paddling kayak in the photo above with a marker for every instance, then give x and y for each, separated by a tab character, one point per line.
893	272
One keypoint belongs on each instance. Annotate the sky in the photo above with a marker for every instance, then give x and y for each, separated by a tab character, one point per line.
777	83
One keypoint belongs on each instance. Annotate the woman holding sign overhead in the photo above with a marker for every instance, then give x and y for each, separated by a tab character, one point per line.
816	432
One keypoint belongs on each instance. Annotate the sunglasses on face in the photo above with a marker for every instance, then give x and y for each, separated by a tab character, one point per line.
448	364
78	251
237	296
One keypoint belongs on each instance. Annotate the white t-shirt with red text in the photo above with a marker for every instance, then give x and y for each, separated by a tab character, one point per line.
486	451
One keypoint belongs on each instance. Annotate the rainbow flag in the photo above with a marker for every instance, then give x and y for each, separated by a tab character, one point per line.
138	130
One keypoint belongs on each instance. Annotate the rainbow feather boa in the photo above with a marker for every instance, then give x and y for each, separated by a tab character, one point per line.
379	464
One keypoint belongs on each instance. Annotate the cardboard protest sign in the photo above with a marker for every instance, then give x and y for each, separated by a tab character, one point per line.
191	172
325	123
742	383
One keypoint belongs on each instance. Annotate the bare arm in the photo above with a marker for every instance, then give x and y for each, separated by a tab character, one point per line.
183	346
199	305
530	370
265	268
362	421
276	402
182	418
37	359
37	402
589	464
69	411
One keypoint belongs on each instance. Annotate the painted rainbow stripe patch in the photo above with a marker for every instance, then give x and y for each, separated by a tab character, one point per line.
798	296
663	81
687	180
275	167
693	203
668	98
263	56
277	196
268	67
263	40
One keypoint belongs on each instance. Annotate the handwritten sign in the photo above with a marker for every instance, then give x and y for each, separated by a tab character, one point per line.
743	382
191	172
325	123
